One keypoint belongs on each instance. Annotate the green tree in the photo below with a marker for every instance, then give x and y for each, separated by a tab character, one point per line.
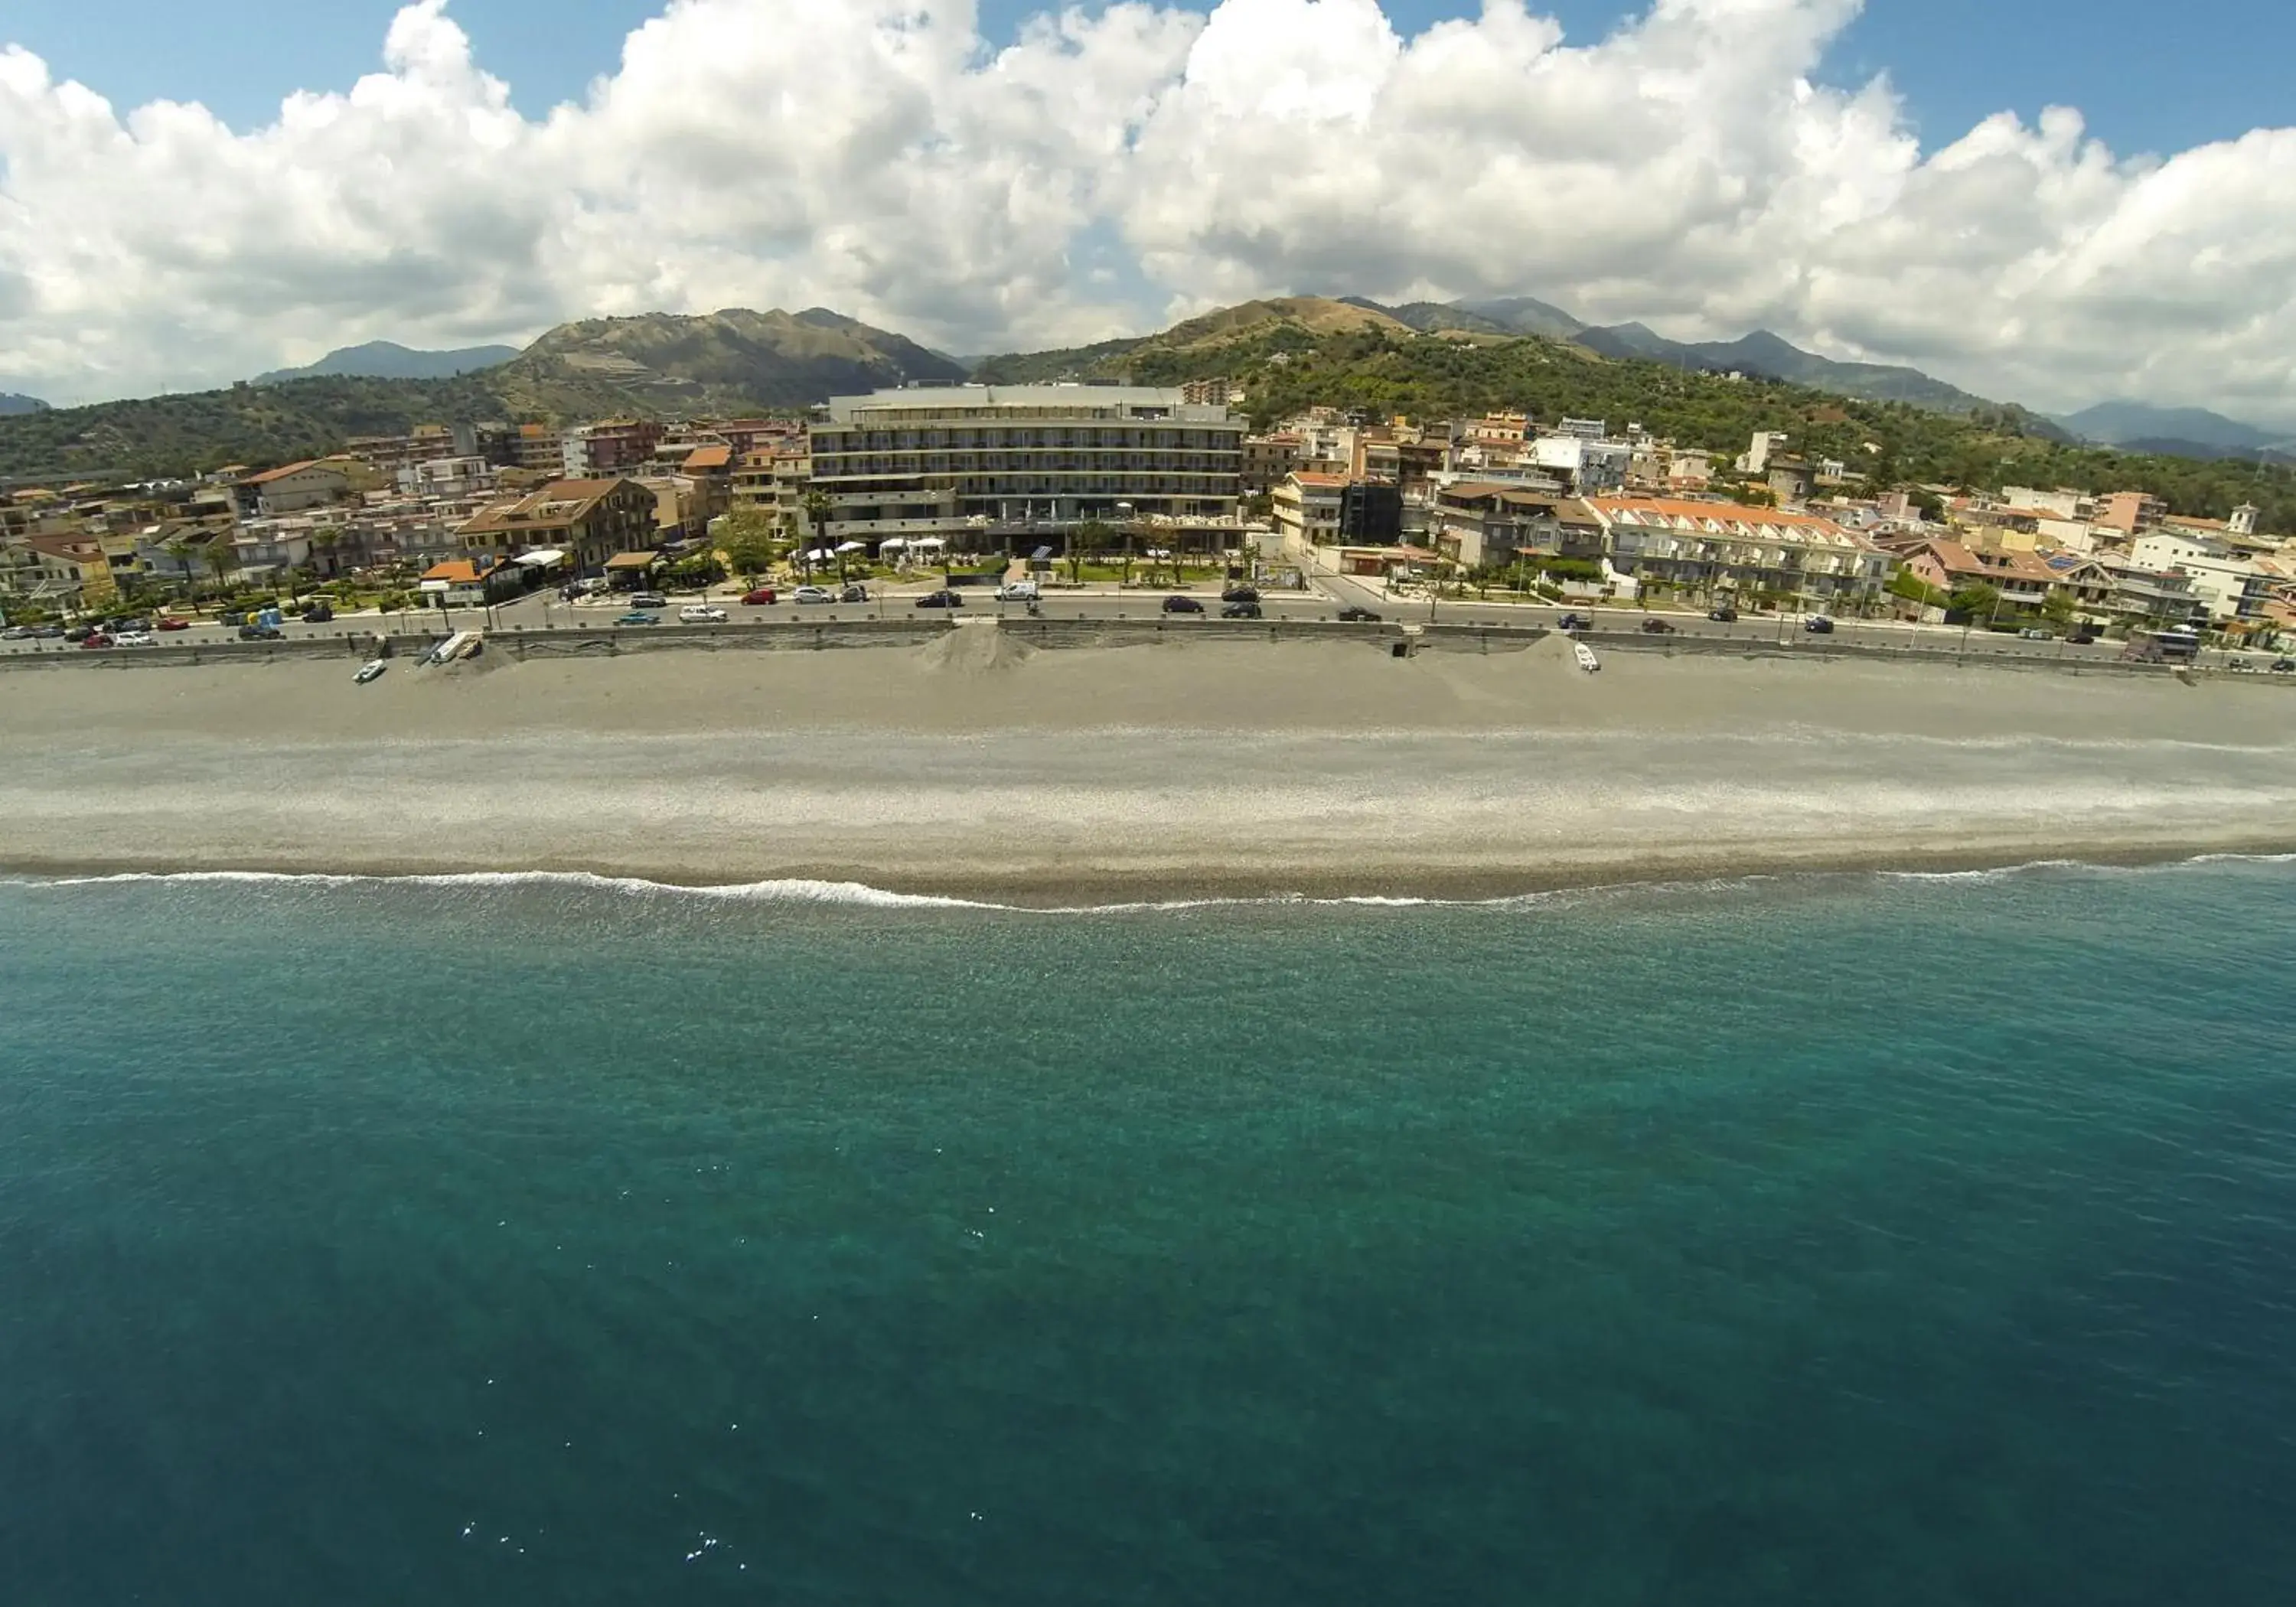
748	540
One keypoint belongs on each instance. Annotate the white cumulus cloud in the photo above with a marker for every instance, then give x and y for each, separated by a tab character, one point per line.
1112	168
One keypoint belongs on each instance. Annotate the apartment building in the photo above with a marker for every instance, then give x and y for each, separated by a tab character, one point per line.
907	462
2130	514
2022	580
1480	524
292	487
1306	510
2234	587
588	519
1709	547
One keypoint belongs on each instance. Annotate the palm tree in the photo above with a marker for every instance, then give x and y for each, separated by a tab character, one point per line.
816	516
221	557
180	551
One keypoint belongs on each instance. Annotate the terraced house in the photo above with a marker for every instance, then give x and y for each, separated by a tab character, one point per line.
913	462
1710	549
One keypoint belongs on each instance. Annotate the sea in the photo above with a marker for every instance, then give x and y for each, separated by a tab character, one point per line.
1839	1239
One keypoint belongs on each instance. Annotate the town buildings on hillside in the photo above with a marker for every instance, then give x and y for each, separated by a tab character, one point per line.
998	471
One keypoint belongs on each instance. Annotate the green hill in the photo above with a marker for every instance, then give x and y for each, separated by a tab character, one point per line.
1285	366
654	366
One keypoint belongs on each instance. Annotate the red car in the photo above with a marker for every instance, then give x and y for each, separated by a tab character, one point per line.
761	597
170	622
96	638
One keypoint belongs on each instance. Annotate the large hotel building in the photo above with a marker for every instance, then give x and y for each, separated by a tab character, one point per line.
993	461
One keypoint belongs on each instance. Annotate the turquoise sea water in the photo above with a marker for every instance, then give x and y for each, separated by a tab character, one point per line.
1848	1240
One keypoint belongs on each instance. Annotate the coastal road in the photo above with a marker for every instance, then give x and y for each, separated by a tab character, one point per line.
540	612
1783	630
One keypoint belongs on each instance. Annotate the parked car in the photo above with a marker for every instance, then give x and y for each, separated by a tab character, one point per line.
1659	627
1182	605
1573	622
761	597
1357	616
16	633
1239	593
700	613
648	600
1242	610
79	633
2033	633
169	622
1723	616
135	638
812	593
1020	591
854	593
2082	638
319	613
95	638
261	633
48	633
2284	666
1818	625
940	600
635	618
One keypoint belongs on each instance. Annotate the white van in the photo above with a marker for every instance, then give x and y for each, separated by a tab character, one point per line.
1020	591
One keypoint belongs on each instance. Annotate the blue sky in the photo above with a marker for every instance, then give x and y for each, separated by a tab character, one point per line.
2148	77
1155	171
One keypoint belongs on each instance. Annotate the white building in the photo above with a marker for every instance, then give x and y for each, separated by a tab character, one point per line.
2233	587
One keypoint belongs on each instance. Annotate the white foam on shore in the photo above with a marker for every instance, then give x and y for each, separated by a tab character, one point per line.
861	896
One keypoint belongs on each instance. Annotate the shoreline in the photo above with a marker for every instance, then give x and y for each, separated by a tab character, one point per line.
970	770
1112	890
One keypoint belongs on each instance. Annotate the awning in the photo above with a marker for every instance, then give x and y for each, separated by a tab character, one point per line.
852	546
934	542
540	561
632	561
892	544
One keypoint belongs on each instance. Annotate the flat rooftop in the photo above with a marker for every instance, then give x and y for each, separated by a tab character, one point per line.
1105	401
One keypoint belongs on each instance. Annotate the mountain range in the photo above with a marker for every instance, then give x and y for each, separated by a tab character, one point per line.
2178	431
1514	351
389	360
12	404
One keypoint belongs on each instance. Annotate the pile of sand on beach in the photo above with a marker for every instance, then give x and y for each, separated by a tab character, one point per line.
973	650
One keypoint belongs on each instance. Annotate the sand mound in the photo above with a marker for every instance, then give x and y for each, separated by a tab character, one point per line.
973	650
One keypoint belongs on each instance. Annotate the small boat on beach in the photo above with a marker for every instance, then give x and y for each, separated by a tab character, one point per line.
1588	661
371	670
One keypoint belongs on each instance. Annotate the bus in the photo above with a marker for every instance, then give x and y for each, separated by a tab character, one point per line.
2163	646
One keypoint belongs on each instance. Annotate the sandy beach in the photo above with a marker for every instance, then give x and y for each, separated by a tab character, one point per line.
977	769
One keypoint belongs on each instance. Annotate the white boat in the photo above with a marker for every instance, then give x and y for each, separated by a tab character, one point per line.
461	644
371	670
1588	661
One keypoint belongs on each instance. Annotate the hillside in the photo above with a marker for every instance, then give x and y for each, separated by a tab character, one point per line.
388	360
1380	373
736	359
1289	322
1772	357
656	365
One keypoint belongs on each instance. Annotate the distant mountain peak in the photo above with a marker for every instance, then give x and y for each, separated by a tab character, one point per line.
2186	431
389	360
12	405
